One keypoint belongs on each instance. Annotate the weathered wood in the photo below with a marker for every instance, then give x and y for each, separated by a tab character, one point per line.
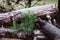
7	30
5	18
9	39
50	29
4	32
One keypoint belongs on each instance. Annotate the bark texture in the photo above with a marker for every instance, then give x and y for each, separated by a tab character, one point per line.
6	18
51	31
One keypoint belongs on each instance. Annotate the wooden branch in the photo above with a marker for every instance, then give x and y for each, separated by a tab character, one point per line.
5	18
50	29
20	34
10	39
4	30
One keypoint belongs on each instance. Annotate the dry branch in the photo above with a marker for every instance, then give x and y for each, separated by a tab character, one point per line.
4	32
6	18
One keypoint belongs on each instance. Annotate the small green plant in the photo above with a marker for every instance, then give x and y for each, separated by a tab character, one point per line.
14	26
28	23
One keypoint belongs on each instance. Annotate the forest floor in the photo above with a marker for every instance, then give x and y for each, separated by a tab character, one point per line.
43	2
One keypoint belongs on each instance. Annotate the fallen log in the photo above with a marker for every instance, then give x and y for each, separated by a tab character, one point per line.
10	39
50	29
4	32
6	18
10	33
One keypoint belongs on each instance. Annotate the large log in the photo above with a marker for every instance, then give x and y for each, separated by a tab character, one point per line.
6	18
51	30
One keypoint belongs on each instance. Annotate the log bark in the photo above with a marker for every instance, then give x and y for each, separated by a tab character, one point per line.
10	39
50	29
6	18
4	32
